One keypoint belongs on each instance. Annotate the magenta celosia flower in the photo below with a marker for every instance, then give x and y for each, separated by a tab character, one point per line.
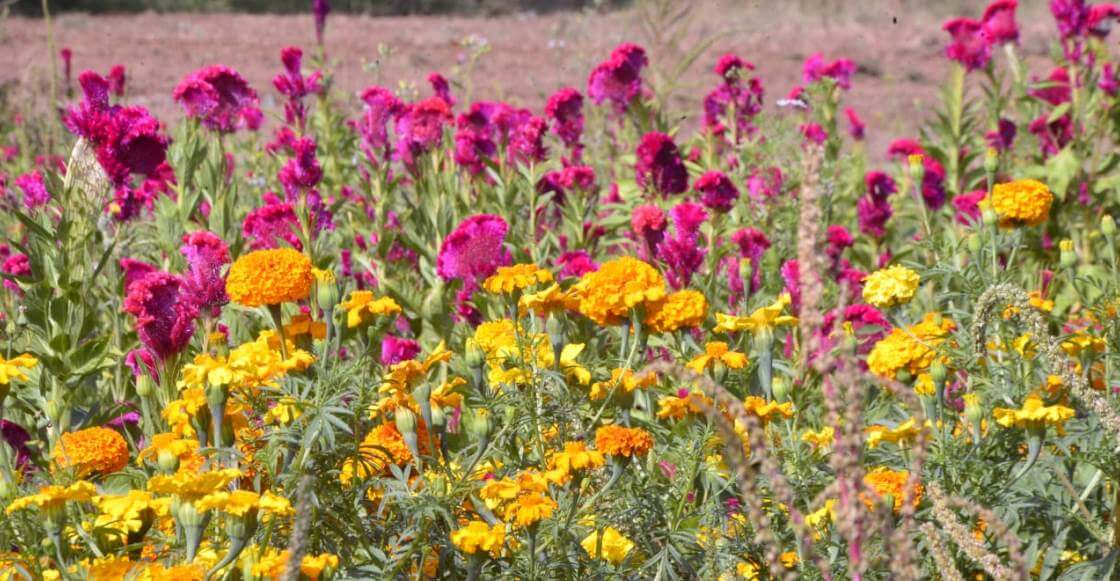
968	206
380	106
67	57
903	148
164	312
874	208
472	149
1052	135
564	111
814	133
1055	89
1109	83
648	224
867	323
838	239
441	87
16	265
736	100
272	224
116	80
217	96
526	143
320	9
730	66
716	191
395	349
474	250
682	252
856	127
301	173
619	78
999	23
130	202
135	270
1072	17
839	70
17	438
933	180
575	263
791	277
851	279
1101	18
1003	136
125	140
292	84
752	245
561	182
419	128
659	167
206	255
968	45
35	192
765	183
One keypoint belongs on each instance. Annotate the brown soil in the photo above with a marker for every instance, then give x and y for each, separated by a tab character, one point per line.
897	44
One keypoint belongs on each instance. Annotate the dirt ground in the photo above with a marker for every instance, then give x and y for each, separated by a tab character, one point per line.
897	44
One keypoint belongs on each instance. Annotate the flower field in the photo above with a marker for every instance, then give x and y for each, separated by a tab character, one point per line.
295	333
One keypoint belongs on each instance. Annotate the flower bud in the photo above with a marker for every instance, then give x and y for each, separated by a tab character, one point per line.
903	376
1108	226
474	355
556	334
989	215
1067	257
938	373
917	167
406	421
144	385
975	244
328	295
781	389
168	462
478	424
973	411
991	161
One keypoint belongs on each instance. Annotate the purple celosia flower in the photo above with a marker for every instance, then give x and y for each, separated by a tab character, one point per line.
140	361
856	127
649	224
35	192
301	173
474	250
752	245
682	252
564	111
116	80
999	22
619	78
1101	18
575	263
839	70
739	93
968	46
293	85
1003	136
419	128
526	143
16	265
874	208
717	193
472	149
968	206
765	183
1052	135
135	270
218	96
1109	83
206	254
791	277
380	106
164	312
1072	17
125	140
441	87
659	167
320	9
395	349
1055	89
867	322
17	438
561	182
271	224
838	239
814	133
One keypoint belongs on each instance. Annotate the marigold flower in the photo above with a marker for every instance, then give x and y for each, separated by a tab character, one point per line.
678	310
1033	415
190	487
92	451
361	308
622	382
270	277
609	294
902	434
575	457
1021	203
167	447
767	410
529	509
621	441
717	352
760	320
610	545
53	497
382	446
885	482
511	279
549	300
891	286
249	366
13	368
678	406
911	349
128	513
821	438
478	537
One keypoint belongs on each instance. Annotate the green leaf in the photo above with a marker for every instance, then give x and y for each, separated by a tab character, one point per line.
1061	169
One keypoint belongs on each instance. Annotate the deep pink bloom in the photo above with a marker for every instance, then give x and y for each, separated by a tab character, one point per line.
17	438
165	314
874	208
16	265
116	80
380	106
1109	82
218	96
765	183
395	349
206	255
716	191
659	167
814	133
561	182
67	57
791	277
320	9
856	127
752	245
968	206
302	172
999	22
474	250
1055	89
135	270
1003	136
575	263
867	322
472	150
839	239
731	65
441	88
1072	17
900	149
619	78
35	192
1101	19
648	224
271	224
1052	135
682	252
933	183
526	142
130	202
737	100
968	45
839	70
420	126
564	110
292	84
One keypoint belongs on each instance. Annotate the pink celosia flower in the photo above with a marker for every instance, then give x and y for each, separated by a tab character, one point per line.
968	45
575	263
814	133
271	224
1101	18
649	224
839	70
752	245
526	143
659	167
619	78
765	183
933	180
1072	17
867	322
968	206
395	349
293	85
564	111
1055	89
1052	135
1003	136
856	127
67	57
218	96
116	80
472	149
16	265
35	192
130	202
1109	83
739	94
874	209
320	9
380	106
716	191
206	254
474	250
999	23
838	239
682	252
135	270
791	276
301	173
165	314
419	128
441	88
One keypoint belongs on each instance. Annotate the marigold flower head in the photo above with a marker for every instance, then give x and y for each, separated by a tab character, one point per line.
478	537
270	277
902	434
52	497
621	441
821	438
190	487
549	300
383	446
1021	203
1033	415
128	513
891	286
760	320
911	349
886	482
678	310
92	451
511	279
717	352
167	444
678	406
609	294
529	509
575	457
611	545
14	368
361	308
622	382
767	410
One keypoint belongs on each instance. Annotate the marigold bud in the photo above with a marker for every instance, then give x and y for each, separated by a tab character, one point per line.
991	161
1067	257
1108	226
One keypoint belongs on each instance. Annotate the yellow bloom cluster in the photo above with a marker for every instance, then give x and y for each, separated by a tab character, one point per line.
761	320
884	483
615	440
622	382
248	367
911	349
679	310
903	434
478	537
383	446
53	496
512	279
1021	203
610	545
717	352
14	368
269	277
1034	414
92	451
620	285
549	300
361	308
891	286
190	487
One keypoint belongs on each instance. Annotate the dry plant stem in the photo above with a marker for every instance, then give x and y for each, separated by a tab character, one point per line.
973	548
940	554
998	529
297	546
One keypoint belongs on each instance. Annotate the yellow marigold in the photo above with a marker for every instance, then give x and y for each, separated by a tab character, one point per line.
128	513
821	438
191	487
511	279
1081	342
621	441
529	509
189	572
300	325
237	502
610	545
891	286
180	412
1021	203
717	352
477	537
107	568
575	457
361	308
1036	300
911	349
678	406
902	434
549	300
767	410
250	366
822	516
679	310
923	385
53	498
324	276
623	382
382	446
1033	415
269	277
91	451
609	294
13	368
314	566
885	482
761	320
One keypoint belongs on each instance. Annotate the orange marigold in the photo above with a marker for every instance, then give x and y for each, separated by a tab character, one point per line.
681	309
1021	203
885	482
91	451
270	277
607	295
510	279
622	441
384	445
